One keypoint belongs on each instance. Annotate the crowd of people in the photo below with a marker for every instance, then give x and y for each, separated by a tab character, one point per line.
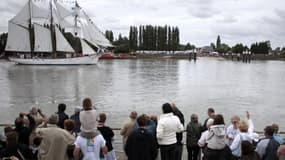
85	136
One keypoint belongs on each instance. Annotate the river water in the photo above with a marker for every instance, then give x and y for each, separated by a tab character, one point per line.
120	86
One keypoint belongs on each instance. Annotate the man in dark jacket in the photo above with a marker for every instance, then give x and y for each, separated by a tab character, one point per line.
62	116
23	131
76	119
179	136
140	144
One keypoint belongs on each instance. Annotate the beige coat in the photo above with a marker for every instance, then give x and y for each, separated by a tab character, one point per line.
127	129
54	143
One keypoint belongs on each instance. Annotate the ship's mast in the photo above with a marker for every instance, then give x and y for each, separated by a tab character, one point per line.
31	30
75	19
52	30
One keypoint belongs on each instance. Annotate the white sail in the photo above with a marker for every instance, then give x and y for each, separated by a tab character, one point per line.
86	49
40	10
18	38
64	16
93	34
62	44
43	41
23	17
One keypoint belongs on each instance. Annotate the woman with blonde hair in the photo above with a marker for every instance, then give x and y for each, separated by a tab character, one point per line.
244	135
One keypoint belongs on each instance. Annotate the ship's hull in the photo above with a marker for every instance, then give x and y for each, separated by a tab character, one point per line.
85	60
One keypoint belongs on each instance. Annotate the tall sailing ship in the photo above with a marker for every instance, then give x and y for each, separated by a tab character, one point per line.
49	33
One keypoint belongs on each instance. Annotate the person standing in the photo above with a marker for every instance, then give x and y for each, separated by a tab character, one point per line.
216	140
267	147
108	135
62	116
128	127
141	144
211	114
276	135
179	136
233	129
76	119
55	140
167	127
194	129
243	135
24	132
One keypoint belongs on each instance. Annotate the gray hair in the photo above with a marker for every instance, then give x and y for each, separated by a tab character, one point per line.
53	119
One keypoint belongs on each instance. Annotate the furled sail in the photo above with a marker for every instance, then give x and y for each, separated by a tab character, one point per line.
18	38
62	44
86	49
43	41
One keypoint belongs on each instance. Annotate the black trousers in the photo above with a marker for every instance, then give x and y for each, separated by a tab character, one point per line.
178	151
193	152
167	152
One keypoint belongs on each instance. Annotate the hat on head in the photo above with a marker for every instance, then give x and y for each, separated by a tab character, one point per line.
77	109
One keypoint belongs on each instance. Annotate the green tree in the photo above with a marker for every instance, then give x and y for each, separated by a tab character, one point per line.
3	41
109	35
218	43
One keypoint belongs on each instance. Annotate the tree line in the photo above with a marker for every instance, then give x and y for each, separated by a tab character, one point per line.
256	48
159	38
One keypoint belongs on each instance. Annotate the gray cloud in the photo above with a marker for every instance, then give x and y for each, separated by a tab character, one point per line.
200	21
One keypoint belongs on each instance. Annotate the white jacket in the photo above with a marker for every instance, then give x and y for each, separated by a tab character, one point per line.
167	127
217	137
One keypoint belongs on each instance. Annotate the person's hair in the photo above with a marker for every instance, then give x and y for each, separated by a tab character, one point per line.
69	124
53	119
133	115
87	104
218	119
102	118
235	119
194	118
141	120
8	129
153	118
61	107
246	148
19	122
269	130
12	137
275	127
37	141
211	110
243	126
166	108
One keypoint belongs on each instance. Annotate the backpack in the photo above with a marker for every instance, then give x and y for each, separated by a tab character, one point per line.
271	150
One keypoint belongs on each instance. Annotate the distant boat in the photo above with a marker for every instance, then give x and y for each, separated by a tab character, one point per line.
112	56
38	35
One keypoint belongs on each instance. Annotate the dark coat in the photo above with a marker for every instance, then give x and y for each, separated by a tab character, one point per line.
178	113
16	150
76	119
141	145
25	132
61	118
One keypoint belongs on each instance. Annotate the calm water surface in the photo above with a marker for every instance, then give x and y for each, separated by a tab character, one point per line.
120	86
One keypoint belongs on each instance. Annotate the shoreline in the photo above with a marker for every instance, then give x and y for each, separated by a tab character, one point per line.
185	56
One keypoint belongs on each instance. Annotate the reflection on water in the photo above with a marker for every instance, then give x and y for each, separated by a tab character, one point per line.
119	86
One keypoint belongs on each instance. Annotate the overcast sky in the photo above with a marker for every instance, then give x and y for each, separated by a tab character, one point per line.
199	21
